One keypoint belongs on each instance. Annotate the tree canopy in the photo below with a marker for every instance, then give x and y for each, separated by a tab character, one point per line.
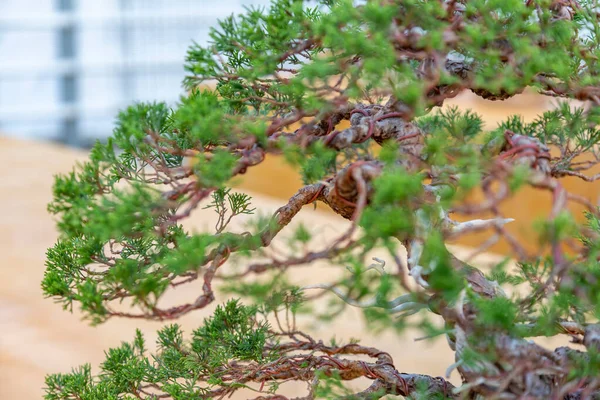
350	94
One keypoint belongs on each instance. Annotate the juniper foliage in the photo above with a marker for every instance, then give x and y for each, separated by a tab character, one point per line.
348	93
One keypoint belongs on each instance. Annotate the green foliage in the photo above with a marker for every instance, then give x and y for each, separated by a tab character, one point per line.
391	212
201	119
444	278
314	163
71	277
217	171
136	121
453	123
497	313
231	335
239	203
330	386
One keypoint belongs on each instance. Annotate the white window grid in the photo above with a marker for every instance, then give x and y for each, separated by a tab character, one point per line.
68	66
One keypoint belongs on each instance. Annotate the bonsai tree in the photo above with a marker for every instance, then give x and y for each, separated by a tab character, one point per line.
350	94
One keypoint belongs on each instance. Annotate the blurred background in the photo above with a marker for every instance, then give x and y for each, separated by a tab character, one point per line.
66	68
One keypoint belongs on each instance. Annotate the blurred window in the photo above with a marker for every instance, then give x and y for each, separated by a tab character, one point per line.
68	66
